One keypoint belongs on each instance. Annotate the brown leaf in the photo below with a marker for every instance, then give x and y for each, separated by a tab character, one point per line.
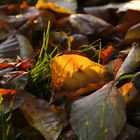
136	81
18	19
105	12
25	47
6	64
9	48
100	115
126	21
89	3
14	80
78	40
133	33
129	133
85	24
17	99
4	30
114	65
41	21
41	116
131	62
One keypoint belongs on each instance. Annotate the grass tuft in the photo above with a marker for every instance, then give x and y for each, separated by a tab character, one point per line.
6	128
95	46
40	75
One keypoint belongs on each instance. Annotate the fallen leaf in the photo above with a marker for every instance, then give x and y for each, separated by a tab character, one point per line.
136	81
52	6
5	71
17	20
25	47
67	4
132	5
41	116
89	3
78	40
7	91
128	91
17	99
72	72
12	8
131	62
41	21
103	111
106	54
114	65
85	24
133	33
9	48
14	80
6	64
129	133
104	12
132	111
126	21
24	5
4	30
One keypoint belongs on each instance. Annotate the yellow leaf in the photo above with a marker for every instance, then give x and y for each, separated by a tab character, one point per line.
52	6
74	73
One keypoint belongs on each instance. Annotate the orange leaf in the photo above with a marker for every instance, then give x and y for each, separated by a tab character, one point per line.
7	91
23	5
126	88
129	92
12	7
106	52
26	63
5	64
